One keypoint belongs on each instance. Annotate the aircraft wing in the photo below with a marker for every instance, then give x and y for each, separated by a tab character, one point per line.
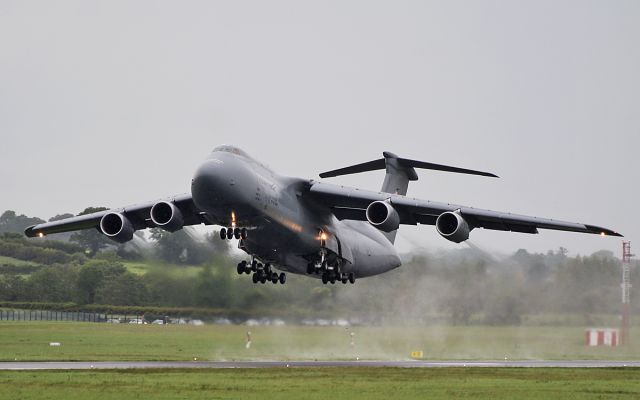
351	203
138	215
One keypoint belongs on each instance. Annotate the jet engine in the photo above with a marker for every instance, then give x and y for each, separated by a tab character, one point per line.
383	216
453	227
167	216
117	227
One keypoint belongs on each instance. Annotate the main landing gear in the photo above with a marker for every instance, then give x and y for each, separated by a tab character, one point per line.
330	273
333	277
230	233
261	273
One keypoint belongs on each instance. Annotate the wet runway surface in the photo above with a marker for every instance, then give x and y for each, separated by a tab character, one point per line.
81	365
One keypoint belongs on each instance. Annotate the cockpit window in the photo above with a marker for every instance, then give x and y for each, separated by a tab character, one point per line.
231	149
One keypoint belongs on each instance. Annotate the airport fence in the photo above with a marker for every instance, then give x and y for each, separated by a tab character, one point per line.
51	315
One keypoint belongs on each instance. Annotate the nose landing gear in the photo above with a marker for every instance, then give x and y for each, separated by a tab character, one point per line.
231	233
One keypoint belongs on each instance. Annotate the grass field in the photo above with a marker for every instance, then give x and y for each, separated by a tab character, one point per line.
322	383
92	341
4	260
141	268
112	342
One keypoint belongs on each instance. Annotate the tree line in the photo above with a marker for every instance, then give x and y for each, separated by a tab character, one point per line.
458	286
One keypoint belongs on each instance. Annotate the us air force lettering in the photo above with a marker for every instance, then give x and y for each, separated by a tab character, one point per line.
302	226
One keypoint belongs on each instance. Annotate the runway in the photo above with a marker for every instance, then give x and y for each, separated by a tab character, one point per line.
88	365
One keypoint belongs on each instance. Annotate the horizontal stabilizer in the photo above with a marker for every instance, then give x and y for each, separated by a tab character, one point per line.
439	167
355	169
403	162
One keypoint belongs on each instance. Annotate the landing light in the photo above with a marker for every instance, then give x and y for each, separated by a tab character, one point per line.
40	234
323	236
603	234
233	219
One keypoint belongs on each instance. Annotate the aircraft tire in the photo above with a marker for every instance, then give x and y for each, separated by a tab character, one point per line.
254	278
240	269
282	278
324	279
230	233
236	233
223	233
243	233
352	278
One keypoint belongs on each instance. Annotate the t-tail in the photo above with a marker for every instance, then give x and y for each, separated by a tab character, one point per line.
399	171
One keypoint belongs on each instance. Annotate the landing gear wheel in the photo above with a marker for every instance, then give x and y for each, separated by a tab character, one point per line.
333	279
324	279
282	278
352	278
263	279
255	278
230	233
243	233
240	268
223	233
236	233
344	280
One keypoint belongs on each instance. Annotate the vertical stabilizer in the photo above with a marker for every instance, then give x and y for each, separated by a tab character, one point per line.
396	181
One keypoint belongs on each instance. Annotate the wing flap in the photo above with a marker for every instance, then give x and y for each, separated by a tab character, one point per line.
355	214
66	225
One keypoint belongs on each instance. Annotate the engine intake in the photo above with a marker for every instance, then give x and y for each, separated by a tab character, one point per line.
117	227
453	227
383	216
167	216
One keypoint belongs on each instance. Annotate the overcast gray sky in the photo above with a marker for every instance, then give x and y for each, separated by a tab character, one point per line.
116	102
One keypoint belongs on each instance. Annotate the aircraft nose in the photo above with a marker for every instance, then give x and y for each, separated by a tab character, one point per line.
209	183
219	183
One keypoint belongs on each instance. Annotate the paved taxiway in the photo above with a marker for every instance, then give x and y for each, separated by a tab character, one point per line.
73	365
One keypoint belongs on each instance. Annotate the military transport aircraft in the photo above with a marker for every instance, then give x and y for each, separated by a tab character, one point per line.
304	226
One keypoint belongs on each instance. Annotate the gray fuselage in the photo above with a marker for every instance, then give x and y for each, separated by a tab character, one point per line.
285	228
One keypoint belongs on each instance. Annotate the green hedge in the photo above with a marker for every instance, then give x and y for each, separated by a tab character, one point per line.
189	312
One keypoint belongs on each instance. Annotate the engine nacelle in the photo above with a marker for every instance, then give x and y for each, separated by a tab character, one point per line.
383	216
167	216
117	227
453	227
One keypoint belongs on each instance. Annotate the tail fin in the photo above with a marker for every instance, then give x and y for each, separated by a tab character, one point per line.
399	172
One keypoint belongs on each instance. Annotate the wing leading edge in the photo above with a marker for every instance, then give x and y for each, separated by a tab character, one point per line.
351	203
138	215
